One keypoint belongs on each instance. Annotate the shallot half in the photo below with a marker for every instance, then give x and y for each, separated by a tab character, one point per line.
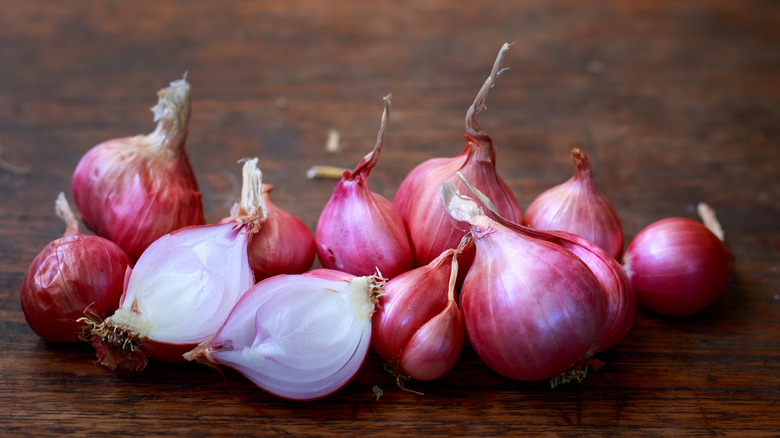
133	190
532	308
577	206
679	266
299	337
360	231
431	229
74	276
182	288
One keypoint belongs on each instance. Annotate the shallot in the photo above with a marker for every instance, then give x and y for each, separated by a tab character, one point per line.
133	190
678	266
183	287
283	244
75	275
419	328
299	337
431	229
532	308
360	231
618	293
578	207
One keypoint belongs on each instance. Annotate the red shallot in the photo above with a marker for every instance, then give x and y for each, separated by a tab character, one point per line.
360	231
619	295
133	190
532	308
182	288
283	244
419	328
578	207
75	275
299	337
431	229
679	266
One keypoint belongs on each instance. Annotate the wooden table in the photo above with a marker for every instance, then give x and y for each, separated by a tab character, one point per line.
676	103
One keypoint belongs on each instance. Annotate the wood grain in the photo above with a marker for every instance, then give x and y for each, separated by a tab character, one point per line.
675	103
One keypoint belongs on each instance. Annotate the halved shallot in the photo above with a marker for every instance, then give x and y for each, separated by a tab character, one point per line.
182	288
299	337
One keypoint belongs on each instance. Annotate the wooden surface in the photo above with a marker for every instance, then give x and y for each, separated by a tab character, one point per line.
676	103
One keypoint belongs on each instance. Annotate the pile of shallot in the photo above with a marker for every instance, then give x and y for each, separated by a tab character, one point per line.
450	263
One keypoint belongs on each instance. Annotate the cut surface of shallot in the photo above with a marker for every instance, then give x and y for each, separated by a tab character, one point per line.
182	288
299	337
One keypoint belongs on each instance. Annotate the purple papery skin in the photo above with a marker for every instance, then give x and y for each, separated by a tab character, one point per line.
532	308
577	206
131	196
266	337
677	267
359	231
431	229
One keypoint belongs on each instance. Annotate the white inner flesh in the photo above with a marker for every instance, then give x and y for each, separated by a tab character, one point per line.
186	283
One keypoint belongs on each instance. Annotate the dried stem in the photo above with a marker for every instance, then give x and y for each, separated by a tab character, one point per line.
369	161
172	114
64	212
251	209
472	127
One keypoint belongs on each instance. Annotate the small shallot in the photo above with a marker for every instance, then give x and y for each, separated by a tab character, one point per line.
182	288
133	190
678	266
299	337
360	231
419	329
283	244
75	275
578	207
